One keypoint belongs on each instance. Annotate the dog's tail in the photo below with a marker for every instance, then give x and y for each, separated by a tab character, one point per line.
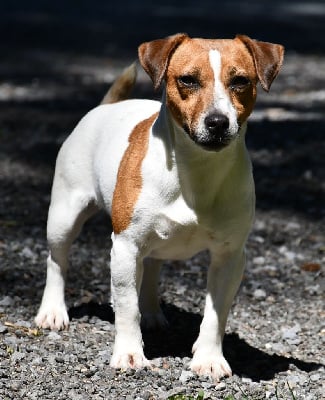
122	86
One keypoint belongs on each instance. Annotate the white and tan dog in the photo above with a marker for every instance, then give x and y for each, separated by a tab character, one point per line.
176	179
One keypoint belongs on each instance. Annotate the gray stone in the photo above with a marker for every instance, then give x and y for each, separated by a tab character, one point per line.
315	377
3	328
17	356
7	301
259	294
54	336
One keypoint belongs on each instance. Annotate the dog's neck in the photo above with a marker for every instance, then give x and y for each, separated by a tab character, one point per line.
196	167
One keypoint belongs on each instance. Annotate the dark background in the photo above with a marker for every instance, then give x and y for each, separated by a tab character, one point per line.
50	52
116	28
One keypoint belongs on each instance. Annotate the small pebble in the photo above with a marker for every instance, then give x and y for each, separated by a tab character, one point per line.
27	252
3	328
259	294
315	377
293	380
17	356
291	333
278	348
54	335
259	260
25	324
7	301
220	386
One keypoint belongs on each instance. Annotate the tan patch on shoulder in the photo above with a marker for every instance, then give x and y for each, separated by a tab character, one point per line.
129	178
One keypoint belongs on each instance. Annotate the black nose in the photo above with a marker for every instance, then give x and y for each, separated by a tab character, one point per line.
217	124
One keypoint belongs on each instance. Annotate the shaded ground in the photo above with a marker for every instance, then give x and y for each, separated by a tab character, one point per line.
57	62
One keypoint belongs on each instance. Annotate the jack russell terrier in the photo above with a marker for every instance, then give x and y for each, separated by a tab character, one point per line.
175	178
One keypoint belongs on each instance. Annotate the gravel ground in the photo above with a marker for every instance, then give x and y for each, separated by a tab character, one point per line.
275	332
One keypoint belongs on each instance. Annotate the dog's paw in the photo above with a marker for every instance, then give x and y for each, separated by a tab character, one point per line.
54	317
210	364
153	321
129	360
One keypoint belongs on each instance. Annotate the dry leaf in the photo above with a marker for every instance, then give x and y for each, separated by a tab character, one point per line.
311	267
27	331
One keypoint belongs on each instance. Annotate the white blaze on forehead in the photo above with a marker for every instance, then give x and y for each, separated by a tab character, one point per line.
222	102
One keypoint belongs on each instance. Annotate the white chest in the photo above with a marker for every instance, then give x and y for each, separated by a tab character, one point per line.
177	233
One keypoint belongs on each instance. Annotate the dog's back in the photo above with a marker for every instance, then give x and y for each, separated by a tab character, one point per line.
103	131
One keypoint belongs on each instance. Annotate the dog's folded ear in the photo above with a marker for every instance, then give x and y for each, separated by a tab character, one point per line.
154	56
268	58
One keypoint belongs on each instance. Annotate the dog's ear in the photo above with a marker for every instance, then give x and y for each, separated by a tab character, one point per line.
154	56
268	58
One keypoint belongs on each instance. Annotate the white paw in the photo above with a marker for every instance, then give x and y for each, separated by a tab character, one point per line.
133	360
54	317
153	321
211	364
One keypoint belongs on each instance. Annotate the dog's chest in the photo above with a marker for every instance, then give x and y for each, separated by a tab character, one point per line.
177	233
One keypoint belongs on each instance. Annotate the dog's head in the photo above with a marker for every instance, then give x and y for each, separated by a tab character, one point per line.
211	84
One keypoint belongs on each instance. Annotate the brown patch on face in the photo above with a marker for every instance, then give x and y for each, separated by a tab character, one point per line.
129	178
238	76
243	100
189	84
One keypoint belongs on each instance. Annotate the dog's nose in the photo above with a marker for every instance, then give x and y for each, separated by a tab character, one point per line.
217	124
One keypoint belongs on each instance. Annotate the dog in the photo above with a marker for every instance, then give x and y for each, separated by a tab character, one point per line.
175	177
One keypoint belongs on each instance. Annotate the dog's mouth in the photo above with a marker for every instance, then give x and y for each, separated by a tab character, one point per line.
212	142
214	133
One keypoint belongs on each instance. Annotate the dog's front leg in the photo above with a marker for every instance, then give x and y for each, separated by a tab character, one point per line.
126	275
224	276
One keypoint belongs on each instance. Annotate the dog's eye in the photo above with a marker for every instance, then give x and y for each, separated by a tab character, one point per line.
239	82
189	81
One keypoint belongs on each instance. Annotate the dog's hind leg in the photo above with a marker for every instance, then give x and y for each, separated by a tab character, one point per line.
69	210
152	316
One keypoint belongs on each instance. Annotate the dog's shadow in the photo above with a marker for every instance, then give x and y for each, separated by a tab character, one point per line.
178	339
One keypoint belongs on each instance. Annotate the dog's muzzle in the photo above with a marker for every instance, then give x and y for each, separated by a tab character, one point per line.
217	132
